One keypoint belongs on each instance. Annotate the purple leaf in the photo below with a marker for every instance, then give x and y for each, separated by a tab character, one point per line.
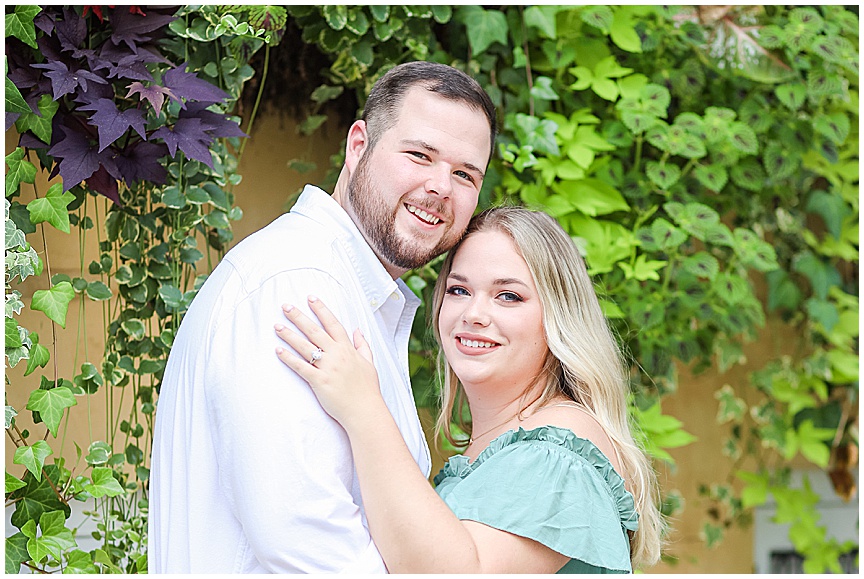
45	22
64	81
140	162
112	123
10	119
129	66
187	85
134	28
79	159
71	31
103	183
190	137
216	124
30	141
155	94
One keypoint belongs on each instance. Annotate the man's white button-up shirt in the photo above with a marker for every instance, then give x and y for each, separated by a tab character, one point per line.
249	474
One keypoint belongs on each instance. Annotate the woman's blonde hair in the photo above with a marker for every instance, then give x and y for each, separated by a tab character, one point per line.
584	362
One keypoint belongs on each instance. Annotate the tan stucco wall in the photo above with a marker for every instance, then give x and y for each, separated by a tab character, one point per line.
267	184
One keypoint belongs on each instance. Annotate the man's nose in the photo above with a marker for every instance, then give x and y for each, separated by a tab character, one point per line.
440	180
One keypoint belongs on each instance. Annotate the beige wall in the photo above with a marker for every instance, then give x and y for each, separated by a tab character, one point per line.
267	184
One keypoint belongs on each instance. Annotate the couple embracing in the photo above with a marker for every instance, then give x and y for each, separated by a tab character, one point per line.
287	440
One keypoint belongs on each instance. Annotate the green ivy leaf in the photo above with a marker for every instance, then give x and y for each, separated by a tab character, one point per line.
52	208
55	539
15	103
78	561
104	484
543	19
483	27
13	337
20	24
37	497
731	407
33	456
40	125
13	483
54	302
16	552
38	356
50	405
20	171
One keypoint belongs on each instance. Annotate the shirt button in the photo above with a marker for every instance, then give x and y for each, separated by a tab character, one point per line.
373	303
395	295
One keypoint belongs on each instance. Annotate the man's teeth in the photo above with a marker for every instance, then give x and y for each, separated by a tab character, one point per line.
431	219
476	344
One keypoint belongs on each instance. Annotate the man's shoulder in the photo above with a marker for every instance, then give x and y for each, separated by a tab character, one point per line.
290	243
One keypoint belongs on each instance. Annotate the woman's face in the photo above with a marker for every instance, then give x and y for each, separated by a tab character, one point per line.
491	321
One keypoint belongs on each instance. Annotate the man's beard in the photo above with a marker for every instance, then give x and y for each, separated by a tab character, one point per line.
377	221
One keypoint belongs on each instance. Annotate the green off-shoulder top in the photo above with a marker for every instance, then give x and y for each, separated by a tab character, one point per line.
549	485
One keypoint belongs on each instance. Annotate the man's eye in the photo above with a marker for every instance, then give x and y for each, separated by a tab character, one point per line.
465	176
418	154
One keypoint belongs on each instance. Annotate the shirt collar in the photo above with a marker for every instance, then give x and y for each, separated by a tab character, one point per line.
376	282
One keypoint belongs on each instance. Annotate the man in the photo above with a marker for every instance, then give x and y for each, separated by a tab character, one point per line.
249	474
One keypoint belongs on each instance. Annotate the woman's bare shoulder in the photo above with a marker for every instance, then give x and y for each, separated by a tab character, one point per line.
578	420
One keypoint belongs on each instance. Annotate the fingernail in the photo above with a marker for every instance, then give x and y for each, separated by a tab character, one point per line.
287	308
279	327
313	299
279	350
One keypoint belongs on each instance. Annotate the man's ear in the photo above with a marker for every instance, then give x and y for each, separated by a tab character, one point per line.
356	145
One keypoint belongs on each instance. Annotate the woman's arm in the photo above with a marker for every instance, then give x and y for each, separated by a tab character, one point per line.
414	530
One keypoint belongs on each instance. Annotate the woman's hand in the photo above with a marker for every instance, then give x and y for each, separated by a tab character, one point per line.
340	373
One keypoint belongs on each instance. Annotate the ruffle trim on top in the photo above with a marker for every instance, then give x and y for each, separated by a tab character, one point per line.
461	466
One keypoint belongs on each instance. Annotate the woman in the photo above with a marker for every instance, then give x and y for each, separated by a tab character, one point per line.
551	479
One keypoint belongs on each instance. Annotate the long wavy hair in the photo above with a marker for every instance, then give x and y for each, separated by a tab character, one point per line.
583	363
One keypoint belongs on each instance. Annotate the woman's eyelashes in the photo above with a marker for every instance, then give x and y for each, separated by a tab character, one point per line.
510	297
455	290
506	296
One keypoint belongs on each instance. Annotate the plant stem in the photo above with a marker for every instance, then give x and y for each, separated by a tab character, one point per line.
257	102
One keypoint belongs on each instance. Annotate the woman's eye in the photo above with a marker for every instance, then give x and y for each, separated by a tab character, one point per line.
455	290
510	297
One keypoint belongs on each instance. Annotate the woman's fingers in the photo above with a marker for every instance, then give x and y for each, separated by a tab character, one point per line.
300	344
362	346
334	328
305	324
303	368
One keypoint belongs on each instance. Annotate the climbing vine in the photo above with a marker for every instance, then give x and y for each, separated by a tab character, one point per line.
130	111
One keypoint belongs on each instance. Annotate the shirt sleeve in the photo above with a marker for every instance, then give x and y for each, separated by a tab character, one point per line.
285	465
